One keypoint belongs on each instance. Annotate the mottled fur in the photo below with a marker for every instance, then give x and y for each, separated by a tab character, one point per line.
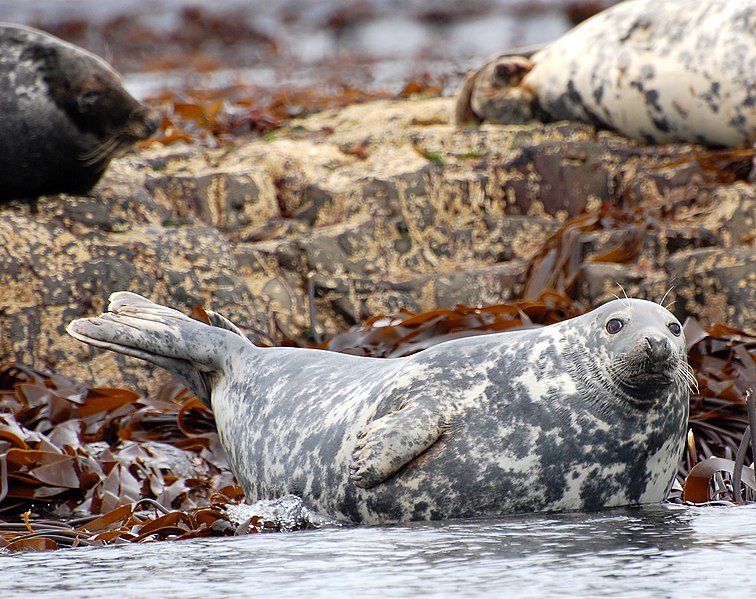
656	71
565	417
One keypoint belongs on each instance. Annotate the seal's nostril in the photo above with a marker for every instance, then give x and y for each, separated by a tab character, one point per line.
657	348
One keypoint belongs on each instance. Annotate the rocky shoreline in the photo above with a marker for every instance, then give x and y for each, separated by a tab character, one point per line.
364	210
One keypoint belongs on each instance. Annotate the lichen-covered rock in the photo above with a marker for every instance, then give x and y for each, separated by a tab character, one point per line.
51	273
222	200
299	235
716	285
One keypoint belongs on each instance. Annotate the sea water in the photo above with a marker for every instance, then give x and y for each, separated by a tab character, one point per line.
658	551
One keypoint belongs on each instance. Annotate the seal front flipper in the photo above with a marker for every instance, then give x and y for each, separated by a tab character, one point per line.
391	441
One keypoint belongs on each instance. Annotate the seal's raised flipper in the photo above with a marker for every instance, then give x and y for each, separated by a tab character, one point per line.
217	320
135	326
393	440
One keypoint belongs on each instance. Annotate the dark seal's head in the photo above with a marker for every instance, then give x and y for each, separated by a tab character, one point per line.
496	92
643	347
65	115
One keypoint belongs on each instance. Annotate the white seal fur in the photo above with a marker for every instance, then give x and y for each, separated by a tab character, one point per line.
658	71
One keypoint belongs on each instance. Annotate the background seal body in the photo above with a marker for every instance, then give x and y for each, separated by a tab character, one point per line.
571	416
63	115
658	72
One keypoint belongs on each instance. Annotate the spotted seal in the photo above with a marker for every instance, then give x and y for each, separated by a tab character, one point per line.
64	113
658	72
585	413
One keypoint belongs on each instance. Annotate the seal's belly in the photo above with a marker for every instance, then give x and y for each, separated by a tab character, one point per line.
475	470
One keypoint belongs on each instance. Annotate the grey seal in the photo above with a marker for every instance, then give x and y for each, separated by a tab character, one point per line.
658	72
64	113
586	413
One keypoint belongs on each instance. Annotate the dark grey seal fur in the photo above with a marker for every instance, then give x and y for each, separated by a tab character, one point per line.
575	415
63	115
657	71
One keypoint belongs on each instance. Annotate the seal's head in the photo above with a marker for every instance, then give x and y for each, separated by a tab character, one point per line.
496	92
92	95
644	346
65	112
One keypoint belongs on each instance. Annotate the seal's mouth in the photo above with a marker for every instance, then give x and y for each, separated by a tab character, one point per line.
647	379
143	124
139	126
659	370
644	377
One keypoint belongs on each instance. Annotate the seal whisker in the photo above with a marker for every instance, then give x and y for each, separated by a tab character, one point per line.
624	293
100	152
661	303
687	375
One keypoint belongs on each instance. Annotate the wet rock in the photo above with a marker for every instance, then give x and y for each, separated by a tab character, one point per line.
306	202
354	299
397	196
514	237
285	305
523	165
285	514
600	282
324	256
480	287
557	178
732	214
314	202
50	274
273	228
635	242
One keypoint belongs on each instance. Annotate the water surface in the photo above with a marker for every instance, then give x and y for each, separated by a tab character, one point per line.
664	551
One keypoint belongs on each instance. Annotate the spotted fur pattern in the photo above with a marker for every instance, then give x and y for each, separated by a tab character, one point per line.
521	421
656	71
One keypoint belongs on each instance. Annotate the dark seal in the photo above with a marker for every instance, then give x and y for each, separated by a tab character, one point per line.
586	413
63	115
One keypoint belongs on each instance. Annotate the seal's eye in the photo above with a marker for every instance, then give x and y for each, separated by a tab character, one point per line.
674	328
89	99
614	326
